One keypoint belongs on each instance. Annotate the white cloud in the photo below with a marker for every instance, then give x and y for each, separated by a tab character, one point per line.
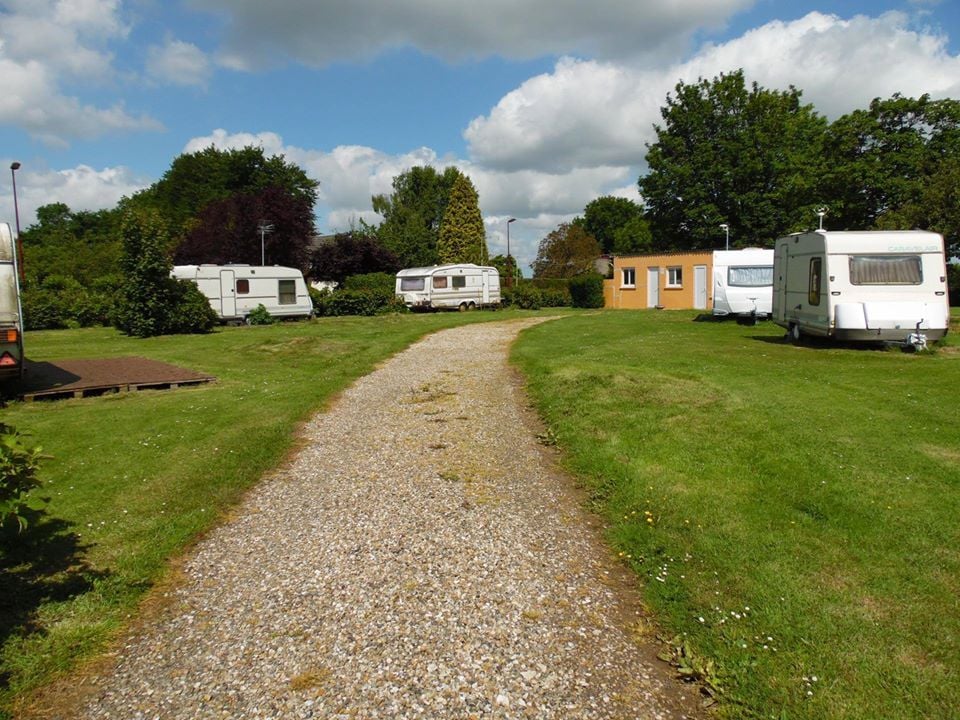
591	113
178	63
81	188
43	45
317	33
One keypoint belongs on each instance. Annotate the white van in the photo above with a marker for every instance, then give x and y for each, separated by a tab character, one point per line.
888	286
462	287
236	290
743	282
11	313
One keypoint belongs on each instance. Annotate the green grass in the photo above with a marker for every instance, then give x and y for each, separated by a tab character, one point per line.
817	486
134	478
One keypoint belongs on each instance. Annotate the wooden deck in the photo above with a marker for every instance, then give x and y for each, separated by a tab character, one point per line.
82	378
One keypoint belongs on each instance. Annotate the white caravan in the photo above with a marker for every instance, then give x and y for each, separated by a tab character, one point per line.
462	287
888	286
743	282
235	291
11	313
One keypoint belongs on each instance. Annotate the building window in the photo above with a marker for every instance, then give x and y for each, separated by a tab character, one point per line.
288	292
628	277
439	282
674	277
816	273
243	287
459	281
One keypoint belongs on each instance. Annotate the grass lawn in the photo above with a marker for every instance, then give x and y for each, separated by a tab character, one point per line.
792	512
134	478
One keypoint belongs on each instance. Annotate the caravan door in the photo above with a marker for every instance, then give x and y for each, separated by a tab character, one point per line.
228	298
485	282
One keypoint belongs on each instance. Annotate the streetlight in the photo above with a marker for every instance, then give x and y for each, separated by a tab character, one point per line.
14	166
726	228
264	227
509	266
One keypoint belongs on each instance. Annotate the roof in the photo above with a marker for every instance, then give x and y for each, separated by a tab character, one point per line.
431	269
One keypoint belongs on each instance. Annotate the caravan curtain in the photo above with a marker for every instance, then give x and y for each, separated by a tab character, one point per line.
750	276
885	270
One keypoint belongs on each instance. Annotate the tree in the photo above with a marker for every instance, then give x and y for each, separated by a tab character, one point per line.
412	214
351	253
896	165
462	237
566	252
226	231
617	223
506	266
726	154
196	181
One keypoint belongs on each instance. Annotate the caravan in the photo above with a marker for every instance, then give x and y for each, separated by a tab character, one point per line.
11	313
743	282
888	286
461	287
236	290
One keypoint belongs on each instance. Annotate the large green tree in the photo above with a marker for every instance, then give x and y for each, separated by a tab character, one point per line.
896	165
462	236
197	180
617	223
566	252
750	158
413	212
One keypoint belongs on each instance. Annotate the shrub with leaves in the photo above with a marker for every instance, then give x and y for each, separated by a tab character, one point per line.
18	466
191	311
586	291
524	296
260	316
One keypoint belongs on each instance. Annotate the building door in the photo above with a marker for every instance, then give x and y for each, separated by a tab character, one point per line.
699	287
228	297
653	287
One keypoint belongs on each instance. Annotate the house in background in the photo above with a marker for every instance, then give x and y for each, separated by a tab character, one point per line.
673	281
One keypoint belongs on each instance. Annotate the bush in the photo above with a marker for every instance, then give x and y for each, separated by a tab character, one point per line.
191	312
368	294
953	284
586	291
379	282
60	302
260	316
556	298
524	296
18	466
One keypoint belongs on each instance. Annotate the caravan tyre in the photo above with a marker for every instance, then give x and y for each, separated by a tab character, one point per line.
463	307
794	333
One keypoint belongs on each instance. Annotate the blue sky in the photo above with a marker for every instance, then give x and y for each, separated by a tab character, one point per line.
546	104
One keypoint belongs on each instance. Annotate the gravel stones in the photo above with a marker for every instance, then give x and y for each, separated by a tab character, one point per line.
417	558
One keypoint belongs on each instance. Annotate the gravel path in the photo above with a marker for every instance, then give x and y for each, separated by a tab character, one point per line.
418	558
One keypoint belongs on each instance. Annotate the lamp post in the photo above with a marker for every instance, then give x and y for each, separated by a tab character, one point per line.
264	227
726	229
14	166
509	264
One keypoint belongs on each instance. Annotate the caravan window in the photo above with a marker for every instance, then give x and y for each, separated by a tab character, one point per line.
243	286
759	276
288	292
816	275
885	270
459	281
439	282
411	284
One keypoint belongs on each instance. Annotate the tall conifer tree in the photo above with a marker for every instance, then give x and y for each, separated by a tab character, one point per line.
462	235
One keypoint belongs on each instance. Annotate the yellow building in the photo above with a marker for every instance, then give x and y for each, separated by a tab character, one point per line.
673	281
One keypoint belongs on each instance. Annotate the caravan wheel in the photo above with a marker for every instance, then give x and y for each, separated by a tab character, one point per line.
794	333
463	307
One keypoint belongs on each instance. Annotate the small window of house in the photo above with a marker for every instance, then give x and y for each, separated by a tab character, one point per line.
243	287
439	282
816	278
411	284
674	277
885	270
459	281
628	277
288	292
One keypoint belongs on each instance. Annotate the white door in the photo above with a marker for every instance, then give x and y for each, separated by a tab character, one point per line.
653	287
699	287
485	281
228	297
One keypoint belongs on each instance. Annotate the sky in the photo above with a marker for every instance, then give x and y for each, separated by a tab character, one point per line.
545	104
